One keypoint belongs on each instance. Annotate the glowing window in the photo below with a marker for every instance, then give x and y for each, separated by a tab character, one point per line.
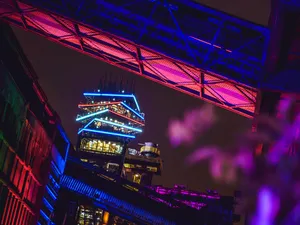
137	178
99	146
89	215
151	168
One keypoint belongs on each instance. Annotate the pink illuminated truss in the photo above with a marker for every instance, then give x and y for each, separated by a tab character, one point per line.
122	53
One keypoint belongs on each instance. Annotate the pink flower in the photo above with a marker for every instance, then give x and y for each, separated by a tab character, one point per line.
244	160
281	147
178	133
223	166
271	181
195	122
284	106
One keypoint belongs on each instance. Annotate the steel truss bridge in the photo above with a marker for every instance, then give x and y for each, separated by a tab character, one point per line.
178	43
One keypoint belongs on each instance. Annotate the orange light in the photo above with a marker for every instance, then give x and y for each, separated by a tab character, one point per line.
105	218
135	121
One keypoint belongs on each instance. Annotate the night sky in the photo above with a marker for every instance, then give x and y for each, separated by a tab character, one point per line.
64	74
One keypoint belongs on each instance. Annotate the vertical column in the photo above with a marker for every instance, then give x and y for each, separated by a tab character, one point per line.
283	59
6	197
282	23
280	61
3	200
21	217
14	210
291	118
266	105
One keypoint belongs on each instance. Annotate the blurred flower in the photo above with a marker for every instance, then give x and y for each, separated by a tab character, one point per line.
270	181
268	205
195	122
223	166
179	133
294	216
281	146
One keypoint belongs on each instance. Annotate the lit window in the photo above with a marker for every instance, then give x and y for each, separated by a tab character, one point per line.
137	178
100	146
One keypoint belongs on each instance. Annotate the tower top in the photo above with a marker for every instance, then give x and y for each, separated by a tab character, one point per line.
116	84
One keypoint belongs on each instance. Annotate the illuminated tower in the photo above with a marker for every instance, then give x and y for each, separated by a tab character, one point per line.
109	121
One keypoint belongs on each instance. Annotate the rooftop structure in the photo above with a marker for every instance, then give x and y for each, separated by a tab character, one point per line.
140	166
109	121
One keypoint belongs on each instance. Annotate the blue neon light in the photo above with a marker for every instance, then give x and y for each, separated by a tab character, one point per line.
64	135
119	125
51	193
91	115
108	133
112	123
87	124
54	167
44	215
108	95
137	105
132	110
48	205
115	95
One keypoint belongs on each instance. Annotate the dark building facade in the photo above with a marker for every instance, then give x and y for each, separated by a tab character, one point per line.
33	145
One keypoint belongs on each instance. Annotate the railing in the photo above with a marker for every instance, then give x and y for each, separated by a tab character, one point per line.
125	183
211	205
112	202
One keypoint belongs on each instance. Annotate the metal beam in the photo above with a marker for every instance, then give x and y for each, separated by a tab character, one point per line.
138	59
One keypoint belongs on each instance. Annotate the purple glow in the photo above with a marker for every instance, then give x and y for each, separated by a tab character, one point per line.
268	205
180	194
194	123
176	191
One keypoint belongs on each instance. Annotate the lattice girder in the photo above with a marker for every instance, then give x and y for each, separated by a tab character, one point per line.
128	55
220	43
